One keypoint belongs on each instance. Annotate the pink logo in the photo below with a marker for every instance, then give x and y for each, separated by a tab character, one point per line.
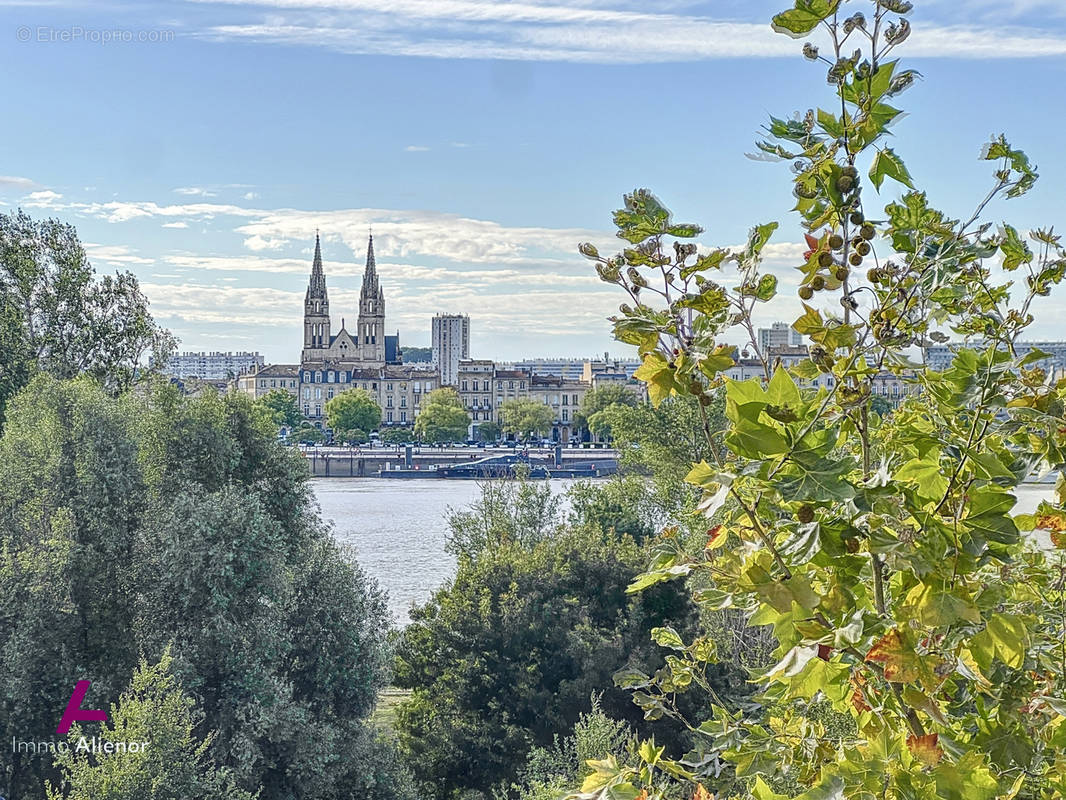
75	712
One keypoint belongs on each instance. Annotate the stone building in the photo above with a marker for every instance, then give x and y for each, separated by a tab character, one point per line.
451	344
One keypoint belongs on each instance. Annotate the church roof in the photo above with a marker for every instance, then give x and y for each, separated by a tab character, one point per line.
317	285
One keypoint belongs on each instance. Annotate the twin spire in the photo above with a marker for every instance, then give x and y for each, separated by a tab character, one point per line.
371	288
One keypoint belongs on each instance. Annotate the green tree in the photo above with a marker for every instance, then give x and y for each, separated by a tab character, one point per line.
525	418
507	656
442	418
598	400
151	521
489	431
352	410
58	317
397	436
307	432
919	633
173	766
282	408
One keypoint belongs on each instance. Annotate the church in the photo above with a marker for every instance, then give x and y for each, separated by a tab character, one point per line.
364	358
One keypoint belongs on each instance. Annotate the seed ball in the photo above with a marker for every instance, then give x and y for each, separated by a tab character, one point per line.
845	184
856	218
695	387
806	292
817	283
842	273
855	259
836	241
867	232
850	171
873	275
863	248
705	400
825	260
851	544
805	514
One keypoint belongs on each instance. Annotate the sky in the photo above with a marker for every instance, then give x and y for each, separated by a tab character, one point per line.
200	145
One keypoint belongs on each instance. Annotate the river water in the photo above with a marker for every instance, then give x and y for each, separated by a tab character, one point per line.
398	527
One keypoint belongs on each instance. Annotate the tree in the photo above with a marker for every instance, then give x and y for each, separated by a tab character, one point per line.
308	433
397	436
488	431
58	317
598	400
417	355
525	418
352	410
442	418
913	658
150	524
282	408
507	656
173	766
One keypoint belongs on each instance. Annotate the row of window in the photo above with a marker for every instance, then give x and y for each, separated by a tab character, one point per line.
275	383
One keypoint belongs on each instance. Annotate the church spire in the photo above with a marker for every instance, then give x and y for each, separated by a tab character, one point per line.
317	285
371	288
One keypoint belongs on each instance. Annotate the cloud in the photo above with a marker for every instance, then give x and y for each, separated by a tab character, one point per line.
194	191
251	195
42	199
115	255
175	224
16	182
581	32
416	148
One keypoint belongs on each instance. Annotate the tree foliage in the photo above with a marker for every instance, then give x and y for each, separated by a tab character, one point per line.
173	766
589	416
525	418
919	629
282	407
506	656
350	411
442	418
57	316
153	524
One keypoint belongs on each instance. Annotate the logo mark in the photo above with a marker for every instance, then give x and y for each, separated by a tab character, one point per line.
75	712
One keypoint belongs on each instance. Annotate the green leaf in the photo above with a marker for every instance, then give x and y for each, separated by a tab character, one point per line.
887	164
804	18
642	582
657	373
1015	251
1005	637
667	637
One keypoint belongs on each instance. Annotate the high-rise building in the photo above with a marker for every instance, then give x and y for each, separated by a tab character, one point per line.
778	336
213	366
451	344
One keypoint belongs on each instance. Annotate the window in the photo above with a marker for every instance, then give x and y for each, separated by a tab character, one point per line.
499	384
307	411
388	387
307	377
273	383
522	385
429	386
565	400
329	376
566	415
510	384
344	377
318	411
329	394
318	377
318	393
388	417
575	401
307	394
464	385
474	416
403	401
262	384
388	401
403	416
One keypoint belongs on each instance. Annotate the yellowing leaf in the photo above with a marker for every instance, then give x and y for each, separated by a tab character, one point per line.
925	749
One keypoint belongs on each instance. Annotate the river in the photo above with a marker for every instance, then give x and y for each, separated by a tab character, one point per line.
398	527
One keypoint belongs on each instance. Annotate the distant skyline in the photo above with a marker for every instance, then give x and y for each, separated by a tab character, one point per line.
200	144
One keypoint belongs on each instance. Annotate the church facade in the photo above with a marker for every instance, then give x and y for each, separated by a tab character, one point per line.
332	362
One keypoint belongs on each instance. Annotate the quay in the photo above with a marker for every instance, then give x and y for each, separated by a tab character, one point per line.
409	461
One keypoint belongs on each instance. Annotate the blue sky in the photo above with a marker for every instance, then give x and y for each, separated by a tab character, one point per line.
203	144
